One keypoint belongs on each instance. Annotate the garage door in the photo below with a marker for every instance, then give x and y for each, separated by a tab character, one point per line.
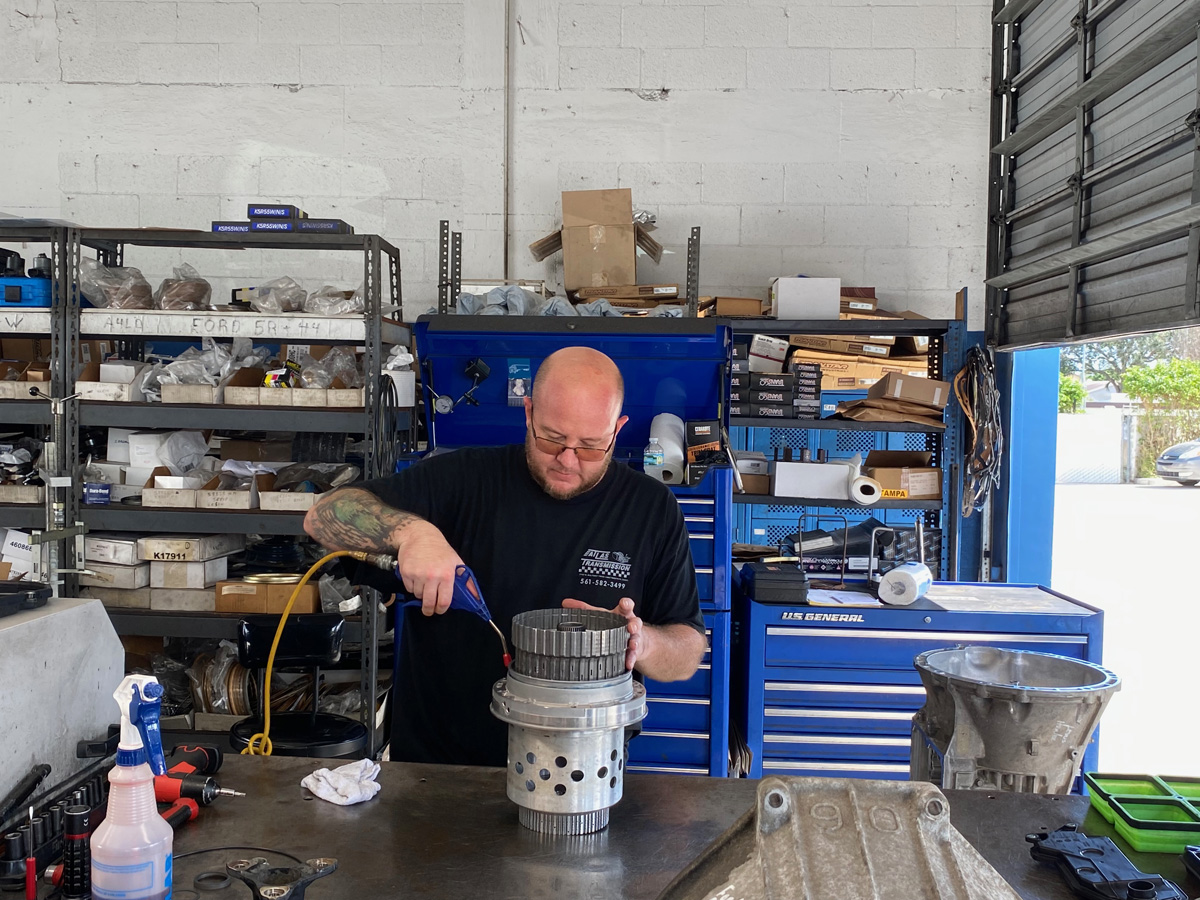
1094	207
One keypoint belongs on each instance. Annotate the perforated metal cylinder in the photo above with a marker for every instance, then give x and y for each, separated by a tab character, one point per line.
567	701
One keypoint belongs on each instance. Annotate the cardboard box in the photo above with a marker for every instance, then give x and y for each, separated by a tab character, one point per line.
738	410
739	366
772	410
286	501
205	394
175	491
189	574
94	351
805	298
138	598
925	391
16	545
137	475
91	384
752	462
741	380
118	444
250	597
182	600
188	548
914	366
756	484
243	387
110	548
703	436
257	451
630	292
780	397
22	493
766	354
851	304
118	492
117	577
735	306
16	569
210	497
770	381
598	241
904	474
740	349
819	481
297	352
145	449
739	395
28	375
406	387
844	345
26	349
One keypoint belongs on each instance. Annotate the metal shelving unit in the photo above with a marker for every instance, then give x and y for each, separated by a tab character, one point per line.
858	327
832	425
771	500
118	517
214	626
23	515
170	415
26	412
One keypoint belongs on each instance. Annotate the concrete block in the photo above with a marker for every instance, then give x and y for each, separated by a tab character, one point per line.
31	51
102	210
416	219
912	26
133	173
442	23
828	183
218	175
826	262
953	70
588	26
783	226
299	23
586	176
218	23
726	182
258	63
719	224
434	65
291	176
867	226
879	128
177	63
100	63
535	62
661	182
963	224
878	70
918	268
77	172
140	21
910	184
745	26
413	263
383	23
797	69
342	64
829	26
968	265
167	211
973	26
391	121
76	21
750	266
442	179
598	68
662	26
694	69
382	177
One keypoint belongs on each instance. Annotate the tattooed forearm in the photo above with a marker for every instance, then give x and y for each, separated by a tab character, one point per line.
354	519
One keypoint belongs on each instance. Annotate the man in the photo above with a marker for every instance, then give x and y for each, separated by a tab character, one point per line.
548	523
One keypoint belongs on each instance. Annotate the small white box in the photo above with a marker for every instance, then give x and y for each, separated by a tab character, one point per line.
18	569
118	444
103	382
121	372
138	475
752	462
110	548
188	548
145	448
286	500
120	599
17	546
192	575
817	481
767	353
110	575
113	471
183	599
406	387
806	298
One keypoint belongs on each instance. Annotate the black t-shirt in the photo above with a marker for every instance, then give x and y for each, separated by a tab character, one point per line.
623	538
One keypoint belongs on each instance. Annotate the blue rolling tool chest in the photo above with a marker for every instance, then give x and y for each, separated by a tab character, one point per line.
830	691
669	365
25	292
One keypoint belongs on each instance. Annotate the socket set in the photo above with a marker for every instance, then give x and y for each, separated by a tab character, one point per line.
60	829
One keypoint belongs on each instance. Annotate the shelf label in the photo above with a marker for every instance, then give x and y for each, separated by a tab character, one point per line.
311	328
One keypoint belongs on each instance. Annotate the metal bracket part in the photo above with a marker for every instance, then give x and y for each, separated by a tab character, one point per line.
1096	869
280	882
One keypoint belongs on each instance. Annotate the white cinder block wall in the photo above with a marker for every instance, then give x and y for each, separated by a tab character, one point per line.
830	137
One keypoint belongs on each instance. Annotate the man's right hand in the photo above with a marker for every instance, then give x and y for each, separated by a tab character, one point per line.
427	564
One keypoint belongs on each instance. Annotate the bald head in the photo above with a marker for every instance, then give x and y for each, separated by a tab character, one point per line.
580	370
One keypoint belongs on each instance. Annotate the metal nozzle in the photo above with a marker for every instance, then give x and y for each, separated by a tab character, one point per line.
378	560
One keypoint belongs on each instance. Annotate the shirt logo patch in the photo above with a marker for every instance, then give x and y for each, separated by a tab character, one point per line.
605	568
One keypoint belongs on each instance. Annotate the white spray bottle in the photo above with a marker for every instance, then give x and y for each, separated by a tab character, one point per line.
131	850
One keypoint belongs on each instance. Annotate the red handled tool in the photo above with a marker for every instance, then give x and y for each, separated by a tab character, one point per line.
201	788
181	812
202	759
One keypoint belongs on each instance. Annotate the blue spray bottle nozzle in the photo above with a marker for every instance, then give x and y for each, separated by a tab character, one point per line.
140	700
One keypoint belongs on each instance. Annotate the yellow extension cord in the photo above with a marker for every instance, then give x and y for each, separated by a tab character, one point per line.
260	744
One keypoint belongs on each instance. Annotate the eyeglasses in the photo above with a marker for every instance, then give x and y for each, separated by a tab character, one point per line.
554	448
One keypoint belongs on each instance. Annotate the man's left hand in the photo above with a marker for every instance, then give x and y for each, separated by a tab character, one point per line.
639	637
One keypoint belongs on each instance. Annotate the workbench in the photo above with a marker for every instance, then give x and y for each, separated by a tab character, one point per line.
450	832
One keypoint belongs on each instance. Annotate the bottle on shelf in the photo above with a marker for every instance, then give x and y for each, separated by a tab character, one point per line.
653	458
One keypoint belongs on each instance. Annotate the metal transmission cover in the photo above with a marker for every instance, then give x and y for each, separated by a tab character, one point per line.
1006	720
841	839
568	701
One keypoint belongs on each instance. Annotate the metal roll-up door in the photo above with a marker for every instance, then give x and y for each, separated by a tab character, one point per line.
1095	199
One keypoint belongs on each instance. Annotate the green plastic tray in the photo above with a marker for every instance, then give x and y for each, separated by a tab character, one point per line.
1154	814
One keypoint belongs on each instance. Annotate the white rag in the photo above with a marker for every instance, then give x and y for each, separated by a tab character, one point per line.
351	783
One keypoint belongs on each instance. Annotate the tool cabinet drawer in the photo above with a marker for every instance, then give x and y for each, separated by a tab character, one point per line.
699	685
893	649
667	769
894	695
830	768
702	549
700	523
704	584
894	722
669	747
678	714
878	748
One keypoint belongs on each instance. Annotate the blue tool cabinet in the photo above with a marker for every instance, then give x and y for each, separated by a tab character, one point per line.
830	691
669	365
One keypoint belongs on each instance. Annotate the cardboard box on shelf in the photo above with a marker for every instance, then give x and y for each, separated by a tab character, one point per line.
904	474
210	497
756	484
779	397
26	349
189	574
16	569
766	354
139	598
110	548
94	351
297	352
118	444
702	435
176	491
257	451
630	292
882	410
188	548
805	298
117	576
845	345
820	481
771	381
205	394
751	462
734	306
772	410
182	600
22	493
286	501
924	391
103	382
251	597
737	410
17	378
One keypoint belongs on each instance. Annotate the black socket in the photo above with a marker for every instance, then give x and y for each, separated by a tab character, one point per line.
55	814
822	455
14	846
40	830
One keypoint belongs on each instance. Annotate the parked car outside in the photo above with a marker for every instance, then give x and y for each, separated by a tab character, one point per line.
1180	463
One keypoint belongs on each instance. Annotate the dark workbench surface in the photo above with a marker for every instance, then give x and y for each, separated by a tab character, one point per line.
450	832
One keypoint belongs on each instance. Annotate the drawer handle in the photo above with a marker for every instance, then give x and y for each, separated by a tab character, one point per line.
837	714
896	768
800	687
833	740
959	636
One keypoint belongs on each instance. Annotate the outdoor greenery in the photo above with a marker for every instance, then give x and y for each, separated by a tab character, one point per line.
1170	396
1108	361
1071	395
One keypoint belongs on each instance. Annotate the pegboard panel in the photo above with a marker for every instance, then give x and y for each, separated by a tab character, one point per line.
796	438
855	442
914	441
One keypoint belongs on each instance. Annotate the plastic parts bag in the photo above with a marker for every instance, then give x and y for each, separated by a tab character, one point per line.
338	363
279	296
309	478
331	301
218	673
333	591
115	288
399	359
599	307
186	291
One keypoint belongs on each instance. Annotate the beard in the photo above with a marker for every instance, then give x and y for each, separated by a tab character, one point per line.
533	461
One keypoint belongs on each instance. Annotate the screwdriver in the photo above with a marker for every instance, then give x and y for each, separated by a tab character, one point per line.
180	813
201	788
30	863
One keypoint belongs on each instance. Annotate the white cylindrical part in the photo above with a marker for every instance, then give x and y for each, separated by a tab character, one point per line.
671	434
864	491
905	584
